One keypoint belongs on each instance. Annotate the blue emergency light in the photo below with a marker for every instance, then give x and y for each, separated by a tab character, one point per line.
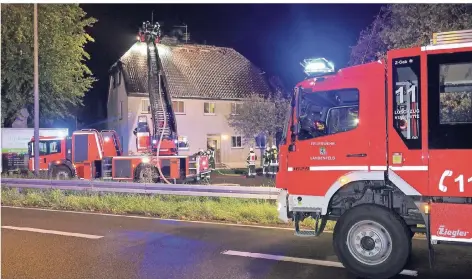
317	66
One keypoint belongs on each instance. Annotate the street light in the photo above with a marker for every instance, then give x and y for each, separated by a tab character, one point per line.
36	93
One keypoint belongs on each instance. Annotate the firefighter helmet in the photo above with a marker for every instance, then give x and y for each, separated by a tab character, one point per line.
251	149
268	148
273	146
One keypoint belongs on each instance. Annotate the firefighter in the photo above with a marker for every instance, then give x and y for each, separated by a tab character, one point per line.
266	161
274	163
251	163
211	157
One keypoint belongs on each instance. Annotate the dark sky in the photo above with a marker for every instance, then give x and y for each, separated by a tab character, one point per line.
275	37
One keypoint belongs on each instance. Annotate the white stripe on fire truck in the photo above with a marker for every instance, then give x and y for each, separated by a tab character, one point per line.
378	168
365	168
341	168
452	239
409	168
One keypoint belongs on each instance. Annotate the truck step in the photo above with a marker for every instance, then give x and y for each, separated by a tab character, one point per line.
305	233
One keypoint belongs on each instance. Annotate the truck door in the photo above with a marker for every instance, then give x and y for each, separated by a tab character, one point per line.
450	122
330	141
407	148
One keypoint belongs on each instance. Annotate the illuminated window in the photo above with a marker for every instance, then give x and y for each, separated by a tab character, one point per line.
178	107
236	142
209	108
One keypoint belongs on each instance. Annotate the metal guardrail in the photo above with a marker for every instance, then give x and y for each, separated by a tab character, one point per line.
267	193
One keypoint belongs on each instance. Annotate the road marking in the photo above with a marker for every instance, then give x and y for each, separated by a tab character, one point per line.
163	219
89	236
406	272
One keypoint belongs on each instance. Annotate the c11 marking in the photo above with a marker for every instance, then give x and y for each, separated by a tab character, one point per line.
459	179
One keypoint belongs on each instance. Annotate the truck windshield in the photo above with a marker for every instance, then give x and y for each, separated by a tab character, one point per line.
328	112
46	147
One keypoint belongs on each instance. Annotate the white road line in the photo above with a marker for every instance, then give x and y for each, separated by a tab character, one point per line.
163	219
89	236
299	260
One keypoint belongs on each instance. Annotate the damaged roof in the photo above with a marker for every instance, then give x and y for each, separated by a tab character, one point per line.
195	71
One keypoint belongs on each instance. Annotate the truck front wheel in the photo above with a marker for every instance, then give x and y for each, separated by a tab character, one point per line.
372	242
61	173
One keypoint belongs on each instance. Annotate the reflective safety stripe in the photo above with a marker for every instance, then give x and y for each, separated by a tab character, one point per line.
409	168
341	168
364	168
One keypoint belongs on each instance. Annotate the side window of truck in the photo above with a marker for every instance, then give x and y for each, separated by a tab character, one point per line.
407	100
328	112
450	100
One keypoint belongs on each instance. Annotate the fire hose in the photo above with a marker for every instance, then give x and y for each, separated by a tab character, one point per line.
162	132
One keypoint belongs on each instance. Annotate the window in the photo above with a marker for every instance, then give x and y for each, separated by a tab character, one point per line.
46	147
328	112
407	100
182	143
209	108
236	108
236	142
145	107
450	100
178	107
455	92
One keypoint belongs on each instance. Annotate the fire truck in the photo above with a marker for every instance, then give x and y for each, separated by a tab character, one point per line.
89	154
385	150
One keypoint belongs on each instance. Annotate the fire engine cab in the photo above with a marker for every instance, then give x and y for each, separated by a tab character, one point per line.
384	149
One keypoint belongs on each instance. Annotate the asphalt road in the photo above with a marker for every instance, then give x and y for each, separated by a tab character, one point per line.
124	247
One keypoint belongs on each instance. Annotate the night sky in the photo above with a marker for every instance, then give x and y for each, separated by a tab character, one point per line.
276	38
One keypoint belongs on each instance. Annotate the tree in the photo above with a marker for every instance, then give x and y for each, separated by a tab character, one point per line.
63	76
261	114
408	25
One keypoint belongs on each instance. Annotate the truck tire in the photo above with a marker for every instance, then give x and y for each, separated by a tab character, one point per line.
147	174
372	242
61	173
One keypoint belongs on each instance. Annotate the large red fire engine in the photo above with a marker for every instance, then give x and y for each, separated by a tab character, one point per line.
386	151
89	154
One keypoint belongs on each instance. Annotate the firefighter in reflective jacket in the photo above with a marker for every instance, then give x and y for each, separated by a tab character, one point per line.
211	157
274	161
251	163
266	161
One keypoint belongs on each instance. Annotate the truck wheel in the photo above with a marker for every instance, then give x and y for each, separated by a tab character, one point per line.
61	173
372	242
147	174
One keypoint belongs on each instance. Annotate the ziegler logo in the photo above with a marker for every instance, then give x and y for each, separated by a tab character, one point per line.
443	231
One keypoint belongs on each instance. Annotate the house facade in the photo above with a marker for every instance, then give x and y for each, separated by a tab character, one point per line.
206	84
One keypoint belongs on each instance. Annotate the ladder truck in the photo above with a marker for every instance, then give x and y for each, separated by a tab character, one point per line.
90	154
385	150
164	128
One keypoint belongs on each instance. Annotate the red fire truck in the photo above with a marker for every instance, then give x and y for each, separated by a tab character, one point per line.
89	154
386	151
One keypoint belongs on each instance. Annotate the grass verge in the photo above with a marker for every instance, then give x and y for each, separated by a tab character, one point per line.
230	210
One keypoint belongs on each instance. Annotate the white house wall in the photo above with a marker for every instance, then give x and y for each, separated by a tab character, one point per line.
117	110
196	125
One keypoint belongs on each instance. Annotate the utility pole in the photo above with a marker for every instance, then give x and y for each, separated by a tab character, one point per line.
36	93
